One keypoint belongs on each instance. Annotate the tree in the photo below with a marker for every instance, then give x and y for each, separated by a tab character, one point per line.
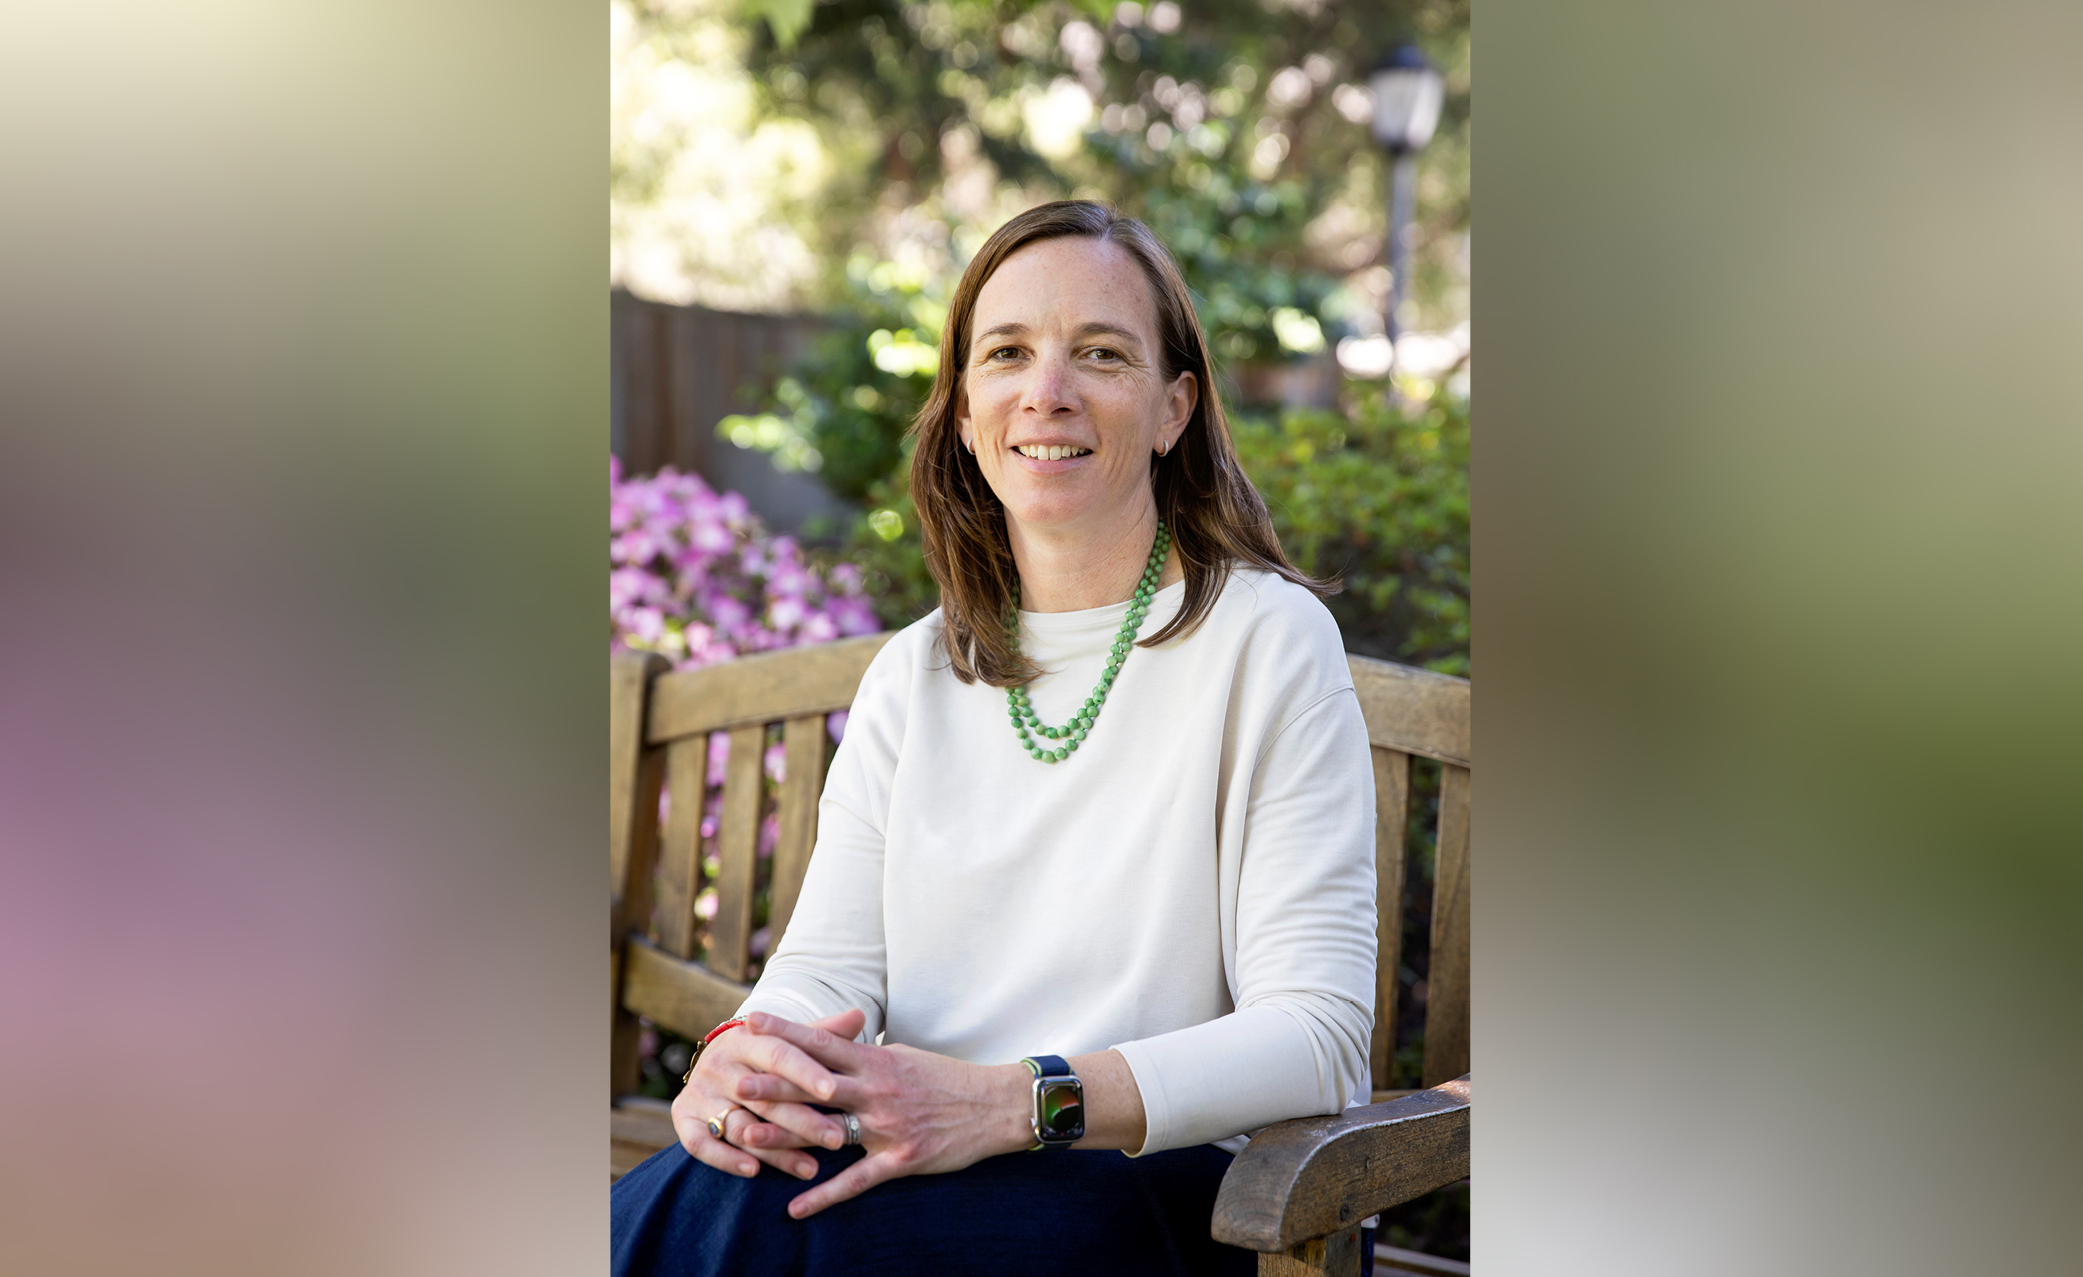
1236	128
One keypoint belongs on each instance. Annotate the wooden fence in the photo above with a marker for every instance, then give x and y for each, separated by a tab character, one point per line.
678	370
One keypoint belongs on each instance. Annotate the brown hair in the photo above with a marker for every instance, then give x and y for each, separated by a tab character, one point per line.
1216	517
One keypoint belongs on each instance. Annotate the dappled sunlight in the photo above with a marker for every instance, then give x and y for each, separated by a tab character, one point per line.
702	186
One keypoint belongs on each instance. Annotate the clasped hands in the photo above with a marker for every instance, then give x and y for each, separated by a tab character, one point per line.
918	1112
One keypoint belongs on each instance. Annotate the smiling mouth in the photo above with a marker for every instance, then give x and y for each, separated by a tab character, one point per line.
1051	451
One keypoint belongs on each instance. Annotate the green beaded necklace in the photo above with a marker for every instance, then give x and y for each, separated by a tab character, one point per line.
1021	710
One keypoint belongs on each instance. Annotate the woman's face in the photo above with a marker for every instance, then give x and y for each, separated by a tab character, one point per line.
1063	396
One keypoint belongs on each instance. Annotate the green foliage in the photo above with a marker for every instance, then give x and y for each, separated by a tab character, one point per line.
785	18
1230	127
844	411
1377	496
884	544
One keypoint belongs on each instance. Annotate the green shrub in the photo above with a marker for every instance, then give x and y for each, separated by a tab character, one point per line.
1378	497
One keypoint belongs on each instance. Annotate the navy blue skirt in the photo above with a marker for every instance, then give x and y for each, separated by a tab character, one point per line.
1091	1214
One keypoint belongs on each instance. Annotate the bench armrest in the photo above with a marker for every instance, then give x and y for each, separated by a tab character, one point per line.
1316	1175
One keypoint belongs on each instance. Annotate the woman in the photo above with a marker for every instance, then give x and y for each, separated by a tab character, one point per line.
1094	867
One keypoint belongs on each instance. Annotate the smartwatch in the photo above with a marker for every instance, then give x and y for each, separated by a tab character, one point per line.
1059	1102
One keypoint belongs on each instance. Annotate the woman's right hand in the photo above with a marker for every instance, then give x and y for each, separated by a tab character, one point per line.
758	1131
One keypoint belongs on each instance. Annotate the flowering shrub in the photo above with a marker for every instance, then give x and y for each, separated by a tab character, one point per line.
694	577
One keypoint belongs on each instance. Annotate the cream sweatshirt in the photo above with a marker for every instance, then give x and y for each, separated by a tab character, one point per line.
1194	887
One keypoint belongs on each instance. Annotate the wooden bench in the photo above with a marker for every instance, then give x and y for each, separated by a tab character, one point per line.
1296	1194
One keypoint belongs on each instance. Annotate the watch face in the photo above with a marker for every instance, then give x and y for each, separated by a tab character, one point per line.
1063	1109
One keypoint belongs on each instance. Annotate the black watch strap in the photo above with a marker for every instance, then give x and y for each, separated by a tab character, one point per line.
1058	1118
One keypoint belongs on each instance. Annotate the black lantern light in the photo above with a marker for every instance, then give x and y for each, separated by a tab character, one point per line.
1408	91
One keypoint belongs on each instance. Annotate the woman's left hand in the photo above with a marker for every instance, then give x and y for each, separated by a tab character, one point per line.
919	1113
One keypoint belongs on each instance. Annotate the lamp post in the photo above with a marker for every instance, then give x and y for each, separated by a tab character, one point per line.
1408	91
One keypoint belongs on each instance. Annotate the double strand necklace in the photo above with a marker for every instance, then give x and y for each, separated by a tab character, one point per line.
1026	723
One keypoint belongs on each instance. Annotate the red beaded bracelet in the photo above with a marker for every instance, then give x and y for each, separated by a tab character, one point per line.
714	1033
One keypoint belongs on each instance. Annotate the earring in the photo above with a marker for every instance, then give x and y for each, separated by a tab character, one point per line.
1163	447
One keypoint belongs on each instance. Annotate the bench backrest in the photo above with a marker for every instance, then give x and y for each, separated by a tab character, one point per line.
685	890
1414	713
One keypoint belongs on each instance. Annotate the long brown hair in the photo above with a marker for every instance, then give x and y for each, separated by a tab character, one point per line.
1216	517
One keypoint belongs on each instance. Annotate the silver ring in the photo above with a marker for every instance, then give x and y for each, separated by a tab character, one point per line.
853	1127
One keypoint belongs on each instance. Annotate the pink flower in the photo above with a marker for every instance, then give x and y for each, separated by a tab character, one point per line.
644	624
628	586
664	528
636	546
719	756
791	578
697	498
690	564
687	487
835	726
854	616
730	616
708	654
819	628
709	535
785	613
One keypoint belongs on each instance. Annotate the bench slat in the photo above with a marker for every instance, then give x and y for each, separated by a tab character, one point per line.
683	996
1413	710
1391	816
637	1127
680	853
761	688
737	842
1395	1259
632	831
1337	1255
634	777
803	746
1446	982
